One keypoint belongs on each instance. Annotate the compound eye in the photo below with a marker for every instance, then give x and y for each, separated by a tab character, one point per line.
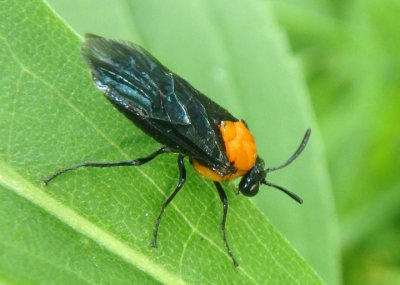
248	187
253	190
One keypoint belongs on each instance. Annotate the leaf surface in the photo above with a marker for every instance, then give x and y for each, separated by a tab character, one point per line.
95	225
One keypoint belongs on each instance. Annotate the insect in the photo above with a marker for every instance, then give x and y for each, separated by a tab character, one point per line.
165	106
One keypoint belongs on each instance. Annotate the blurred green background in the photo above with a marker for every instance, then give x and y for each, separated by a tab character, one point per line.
350	55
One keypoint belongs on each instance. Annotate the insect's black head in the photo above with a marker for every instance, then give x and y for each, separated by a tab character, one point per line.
250	183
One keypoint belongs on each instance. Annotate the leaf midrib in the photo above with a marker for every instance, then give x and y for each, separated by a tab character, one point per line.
16	183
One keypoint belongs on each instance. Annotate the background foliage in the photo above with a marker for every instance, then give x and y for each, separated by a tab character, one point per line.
238	55
351	55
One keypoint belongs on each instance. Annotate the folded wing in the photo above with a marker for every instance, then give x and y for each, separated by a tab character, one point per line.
158	101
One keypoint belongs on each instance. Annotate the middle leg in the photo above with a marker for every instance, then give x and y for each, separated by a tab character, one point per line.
182	179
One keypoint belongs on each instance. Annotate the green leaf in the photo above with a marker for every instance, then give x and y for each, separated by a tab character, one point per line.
95	225
234	53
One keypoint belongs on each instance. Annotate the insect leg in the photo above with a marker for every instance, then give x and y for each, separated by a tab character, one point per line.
224	201
182	179
135	162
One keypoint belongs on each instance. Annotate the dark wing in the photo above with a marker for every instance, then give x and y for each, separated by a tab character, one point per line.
158	101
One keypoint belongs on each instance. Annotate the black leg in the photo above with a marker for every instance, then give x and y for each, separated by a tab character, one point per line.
182	179
224	201
134	162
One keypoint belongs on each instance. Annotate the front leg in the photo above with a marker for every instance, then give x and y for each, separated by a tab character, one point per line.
224	201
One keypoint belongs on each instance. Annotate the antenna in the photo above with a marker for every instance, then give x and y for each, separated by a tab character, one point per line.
286	191
290	160
296	154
